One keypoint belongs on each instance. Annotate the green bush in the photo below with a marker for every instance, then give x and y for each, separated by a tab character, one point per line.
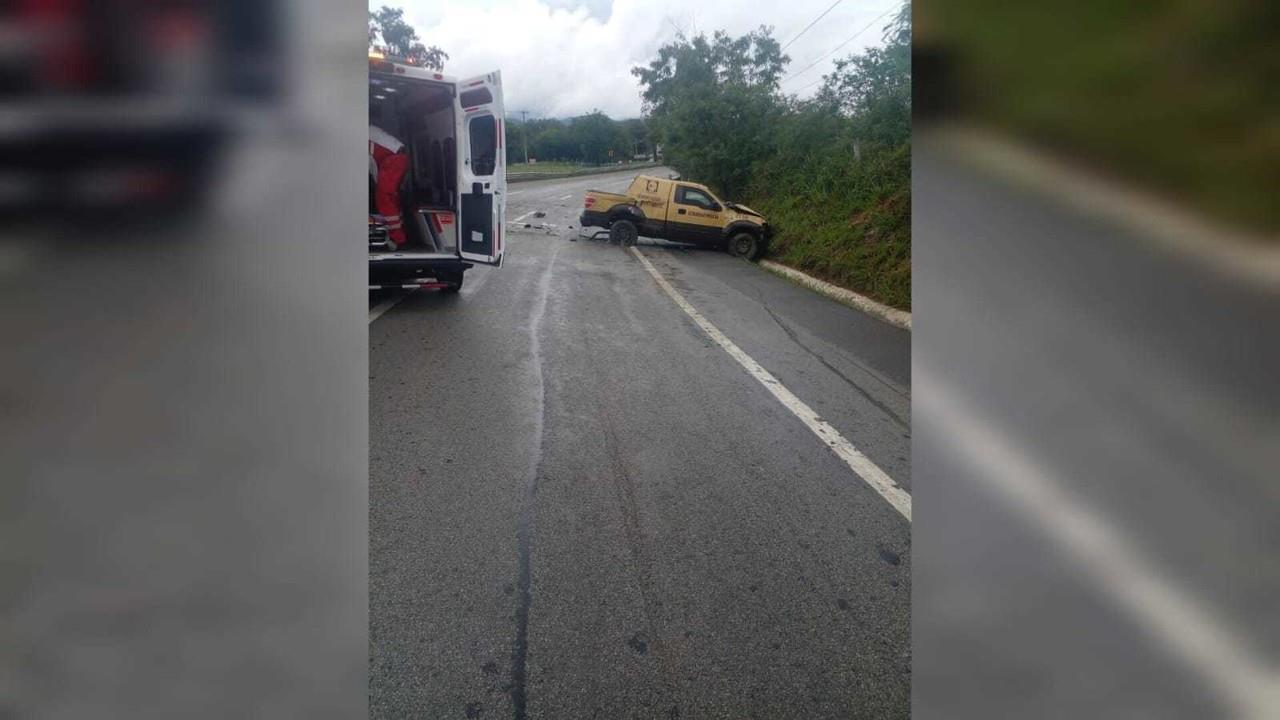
845	220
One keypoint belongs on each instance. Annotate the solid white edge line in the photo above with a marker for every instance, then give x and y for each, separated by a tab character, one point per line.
1171	616
386	305
861	465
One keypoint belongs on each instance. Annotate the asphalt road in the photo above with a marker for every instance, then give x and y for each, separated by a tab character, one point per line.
582	507
1095	455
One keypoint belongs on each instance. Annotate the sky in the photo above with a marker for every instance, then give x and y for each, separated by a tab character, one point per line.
561	58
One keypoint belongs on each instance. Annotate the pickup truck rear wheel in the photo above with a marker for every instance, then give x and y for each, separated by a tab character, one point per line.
745	245
623	232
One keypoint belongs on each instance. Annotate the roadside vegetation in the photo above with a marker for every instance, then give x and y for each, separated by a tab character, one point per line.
1179	97
559	168
832	174
592	139
563	168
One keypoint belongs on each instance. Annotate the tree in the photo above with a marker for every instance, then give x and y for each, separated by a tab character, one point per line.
515	142
710	104
399	39
551	141
638	136
599	138
874	87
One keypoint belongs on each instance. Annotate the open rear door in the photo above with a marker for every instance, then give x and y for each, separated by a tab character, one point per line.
482	169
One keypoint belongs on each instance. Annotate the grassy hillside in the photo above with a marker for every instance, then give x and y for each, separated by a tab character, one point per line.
845	221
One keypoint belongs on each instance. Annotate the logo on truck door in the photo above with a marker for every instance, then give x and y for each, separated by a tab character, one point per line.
651	186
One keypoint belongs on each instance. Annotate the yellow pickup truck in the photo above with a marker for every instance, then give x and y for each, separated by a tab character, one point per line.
679	211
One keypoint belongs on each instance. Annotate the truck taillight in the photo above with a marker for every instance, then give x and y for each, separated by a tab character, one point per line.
589	201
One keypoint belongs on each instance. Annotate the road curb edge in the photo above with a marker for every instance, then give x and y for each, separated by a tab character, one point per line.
844	296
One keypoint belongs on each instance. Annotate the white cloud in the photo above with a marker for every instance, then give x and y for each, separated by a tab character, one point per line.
566	57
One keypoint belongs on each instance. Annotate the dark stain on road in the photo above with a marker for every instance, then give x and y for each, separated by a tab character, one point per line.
519	650
490	668
888	555
474	709
639	643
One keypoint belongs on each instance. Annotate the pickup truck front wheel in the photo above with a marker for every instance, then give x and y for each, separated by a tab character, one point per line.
623	232
745	245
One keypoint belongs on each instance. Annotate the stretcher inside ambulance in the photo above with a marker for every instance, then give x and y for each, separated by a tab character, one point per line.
440	143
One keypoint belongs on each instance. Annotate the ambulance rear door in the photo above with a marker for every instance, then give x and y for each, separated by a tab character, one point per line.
482	169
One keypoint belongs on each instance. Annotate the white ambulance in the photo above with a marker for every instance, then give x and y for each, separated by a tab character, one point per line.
453	196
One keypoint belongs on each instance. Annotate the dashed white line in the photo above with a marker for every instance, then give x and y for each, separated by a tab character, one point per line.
566	197
861	465
522	217
385	305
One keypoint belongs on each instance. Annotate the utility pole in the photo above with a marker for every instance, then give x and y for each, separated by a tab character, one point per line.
524	125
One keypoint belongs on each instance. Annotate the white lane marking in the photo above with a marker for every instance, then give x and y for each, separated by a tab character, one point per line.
1171	616
566	197
386	305
859	463
517	192
523	216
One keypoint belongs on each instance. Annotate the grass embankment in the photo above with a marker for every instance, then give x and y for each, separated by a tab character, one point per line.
844	221
564	168
556	168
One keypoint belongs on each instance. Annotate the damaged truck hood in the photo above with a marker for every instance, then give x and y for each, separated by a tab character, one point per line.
743	210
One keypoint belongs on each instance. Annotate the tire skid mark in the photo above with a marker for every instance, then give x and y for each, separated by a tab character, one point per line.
524	526
898	420
641	560
637	548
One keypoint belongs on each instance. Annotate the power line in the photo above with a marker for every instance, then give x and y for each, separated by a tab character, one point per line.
846	42
806	87
815	22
